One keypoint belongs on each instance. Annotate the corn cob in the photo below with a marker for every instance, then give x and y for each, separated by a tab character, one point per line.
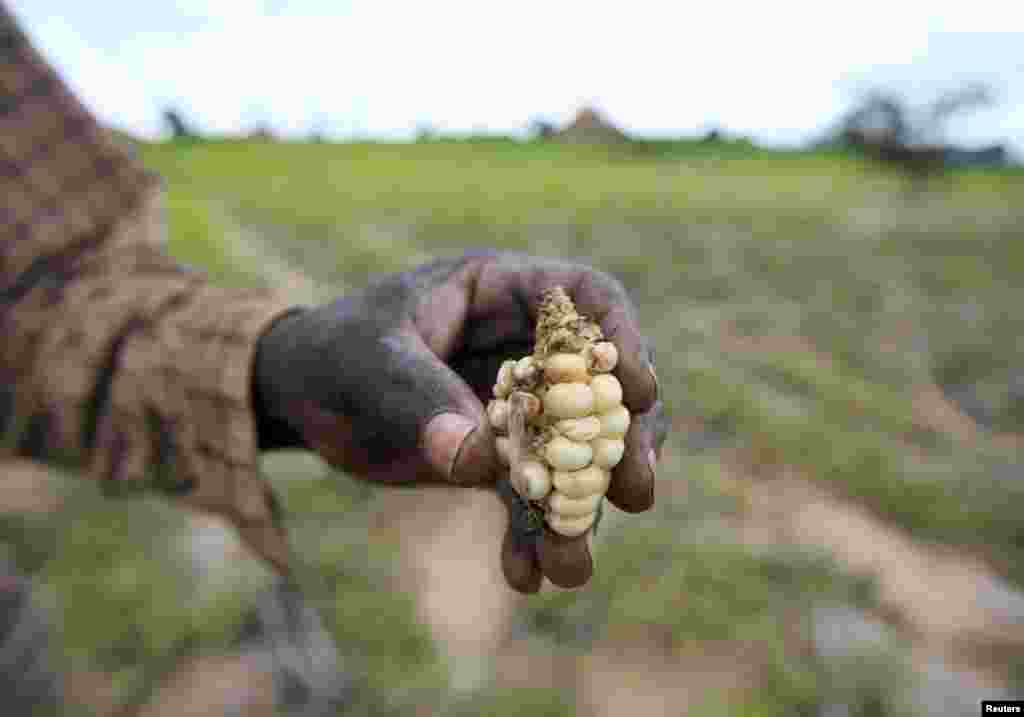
559	418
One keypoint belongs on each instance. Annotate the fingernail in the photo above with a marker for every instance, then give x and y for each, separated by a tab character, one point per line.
654	377
444	438
652	462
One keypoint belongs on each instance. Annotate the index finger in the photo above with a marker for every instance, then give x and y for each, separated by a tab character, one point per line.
508	292
604	299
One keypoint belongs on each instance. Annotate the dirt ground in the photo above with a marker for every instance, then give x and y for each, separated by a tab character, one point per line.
950	605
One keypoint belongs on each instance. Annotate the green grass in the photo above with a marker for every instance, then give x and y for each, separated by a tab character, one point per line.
776	244
815	245
122	601
199	239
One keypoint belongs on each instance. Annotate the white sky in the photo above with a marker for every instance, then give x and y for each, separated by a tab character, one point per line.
778	73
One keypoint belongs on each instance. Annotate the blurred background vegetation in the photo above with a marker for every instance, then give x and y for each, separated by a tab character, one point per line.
837	528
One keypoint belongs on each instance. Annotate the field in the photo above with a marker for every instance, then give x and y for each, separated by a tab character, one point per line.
838	508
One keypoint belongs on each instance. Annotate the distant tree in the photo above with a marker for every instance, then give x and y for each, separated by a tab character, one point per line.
263	132
540	128
880	118
888	117
885	127
970	98
425	132
180	128
917	162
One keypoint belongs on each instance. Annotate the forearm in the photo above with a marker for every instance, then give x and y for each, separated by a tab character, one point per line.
273	432
69	195
114	357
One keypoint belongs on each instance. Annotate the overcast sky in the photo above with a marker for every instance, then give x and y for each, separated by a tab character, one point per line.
381	68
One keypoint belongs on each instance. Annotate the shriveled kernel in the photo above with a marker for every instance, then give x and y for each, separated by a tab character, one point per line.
525	369
607	392
570	527
569	400
566	368
604	356
531	404
608	451
503	446
580	429
561	422
565	455
503	386
574	507
537	479
614	423
497	414
592	480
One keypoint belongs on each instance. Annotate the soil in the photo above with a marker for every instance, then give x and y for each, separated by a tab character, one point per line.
954	610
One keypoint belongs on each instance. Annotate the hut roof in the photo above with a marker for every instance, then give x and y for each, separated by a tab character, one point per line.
591	126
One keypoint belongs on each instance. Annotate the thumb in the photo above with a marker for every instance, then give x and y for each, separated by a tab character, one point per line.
380	405
459	449
455	439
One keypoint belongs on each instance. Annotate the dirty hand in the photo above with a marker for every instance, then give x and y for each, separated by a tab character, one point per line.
390	382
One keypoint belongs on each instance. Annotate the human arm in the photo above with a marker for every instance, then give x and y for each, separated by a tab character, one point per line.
114	358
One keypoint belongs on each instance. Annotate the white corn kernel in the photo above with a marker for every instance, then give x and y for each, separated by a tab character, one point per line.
503	446
497	414
614	423
569	400
530	403
565	455
604	356
592	480
574	507
607	392
537	479
559	418
566	368
570	527
580	429
525	369
608	451
503	386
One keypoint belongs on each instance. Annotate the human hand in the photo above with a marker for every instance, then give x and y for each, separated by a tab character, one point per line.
389	384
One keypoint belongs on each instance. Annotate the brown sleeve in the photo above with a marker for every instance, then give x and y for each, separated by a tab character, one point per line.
113	357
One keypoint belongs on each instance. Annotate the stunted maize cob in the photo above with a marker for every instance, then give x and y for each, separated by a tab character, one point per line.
559	417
